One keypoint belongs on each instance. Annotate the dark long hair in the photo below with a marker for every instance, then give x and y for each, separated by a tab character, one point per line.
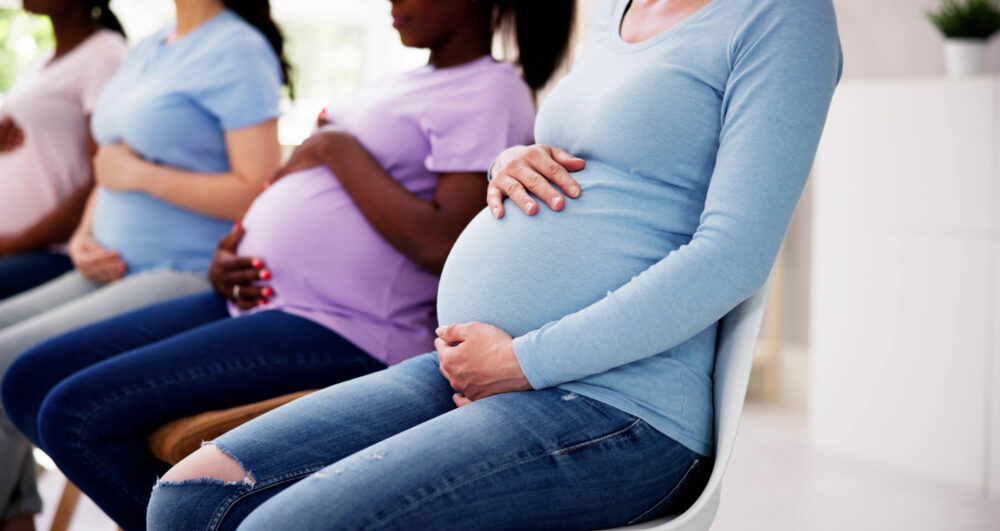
257	13
105	16
541	29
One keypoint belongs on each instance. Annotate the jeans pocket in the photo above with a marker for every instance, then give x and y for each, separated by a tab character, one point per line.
680	497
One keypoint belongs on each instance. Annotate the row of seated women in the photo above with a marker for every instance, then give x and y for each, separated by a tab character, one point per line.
543	362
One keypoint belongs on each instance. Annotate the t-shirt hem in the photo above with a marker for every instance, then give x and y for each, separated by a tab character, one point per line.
248	122
660	423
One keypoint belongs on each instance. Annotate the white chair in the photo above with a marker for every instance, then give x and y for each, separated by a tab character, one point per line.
734	354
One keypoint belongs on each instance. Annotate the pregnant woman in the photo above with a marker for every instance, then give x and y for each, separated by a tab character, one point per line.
188	135
584	347
343	250
45	142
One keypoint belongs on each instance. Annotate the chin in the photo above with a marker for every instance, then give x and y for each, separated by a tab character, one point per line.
411	41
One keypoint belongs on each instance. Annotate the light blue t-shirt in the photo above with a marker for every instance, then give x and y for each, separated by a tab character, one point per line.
698	142
171	104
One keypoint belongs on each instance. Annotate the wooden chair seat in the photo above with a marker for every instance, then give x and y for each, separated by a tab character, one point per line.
178	439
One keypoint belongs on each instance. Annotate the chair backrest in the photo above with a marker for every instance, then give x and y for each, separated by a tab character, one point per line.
734	352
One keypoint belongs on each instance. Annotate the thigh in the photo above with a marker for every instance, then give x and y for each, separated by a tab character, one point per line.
43	298
21	272
328	425
537	460
64	313
224	363
37	371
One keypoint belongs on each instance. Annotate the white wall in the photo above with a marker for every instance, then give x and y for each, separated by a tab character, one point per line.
893	38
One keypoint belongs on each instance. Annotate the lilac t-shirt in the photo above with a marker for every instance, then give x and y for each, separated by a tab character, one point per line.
328	264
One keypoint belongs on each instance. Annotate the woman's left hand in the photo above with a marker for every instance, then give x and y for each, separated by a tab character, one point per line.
478	359
116	167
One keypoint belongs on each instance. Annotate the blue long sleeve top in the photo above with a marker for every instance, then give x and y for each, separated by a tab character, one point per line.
698	142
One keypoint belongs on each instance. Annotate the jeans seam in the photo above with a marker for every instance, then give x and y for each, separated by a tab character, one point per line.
676	486
501	468
227	505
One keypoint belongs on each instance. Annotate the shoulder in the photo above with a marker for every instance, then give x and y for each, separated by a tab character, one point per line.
605	14
107	44
497	84
788	27
235	36
791	16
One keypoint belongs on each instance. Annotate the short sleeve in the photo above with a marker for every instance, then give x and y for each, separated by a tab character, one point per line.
105	57
470	129
246	88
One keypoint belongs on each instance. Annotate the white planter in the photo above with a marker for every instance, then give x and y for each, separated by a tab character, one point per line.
965	57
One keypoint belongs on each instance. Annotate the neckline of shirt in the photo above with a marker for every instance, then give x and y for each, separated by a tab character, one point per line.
621	45
429	69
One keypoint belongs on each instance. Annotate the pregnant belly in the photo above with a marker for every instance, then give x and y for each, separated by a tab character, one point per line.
521	272
322	252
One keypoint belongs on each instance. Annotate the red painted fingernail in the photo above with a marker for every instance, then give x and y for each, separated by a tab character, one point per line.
267	292
265	274
263	302
238	224
256	263
266	185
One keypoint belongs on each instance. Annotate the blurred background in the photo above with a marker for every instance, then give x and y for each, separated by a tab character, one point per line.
875	397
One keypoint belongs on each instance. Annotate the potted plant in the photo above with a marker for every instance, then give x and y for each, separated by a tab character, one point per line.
966	25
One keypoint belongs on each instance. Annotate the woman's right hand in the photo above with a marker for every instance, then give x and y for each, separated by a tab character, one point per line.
523	169
11	135
234	276
93	261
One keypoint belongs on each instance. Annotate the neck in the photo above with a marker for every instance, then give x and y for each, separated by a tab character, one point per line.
472	42
71	29
194	13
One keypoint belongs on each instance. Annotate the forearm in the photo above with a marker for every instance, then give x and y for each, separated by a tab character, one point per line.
56	227
86	225
419	229
220	195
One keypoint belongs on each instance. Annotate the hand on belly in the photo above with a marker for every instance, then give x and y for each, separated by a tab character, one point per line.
478	360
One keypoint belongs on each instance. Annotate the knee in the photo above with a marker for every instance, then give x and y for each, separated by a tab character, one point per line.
58	420
191	494
22	391
208	462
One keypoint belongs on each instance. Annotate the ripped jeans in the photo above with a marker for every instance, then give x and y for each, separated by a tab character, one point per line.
391	451
91	397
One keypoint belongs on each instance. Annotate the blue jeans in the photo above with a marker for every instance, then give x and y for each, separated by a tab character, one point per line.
391	451
21	272
91	397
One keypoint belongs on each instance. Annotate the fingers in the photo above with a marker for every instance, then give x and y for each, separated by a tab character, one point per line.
230	241
511	185
566	160
453	333
460	400
245	275
566	163
538	179
494	199
252	296
539	171
104	269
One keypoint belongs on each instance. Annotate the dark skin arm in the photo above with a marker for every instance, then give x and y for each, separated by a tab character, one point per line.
423	231
56	226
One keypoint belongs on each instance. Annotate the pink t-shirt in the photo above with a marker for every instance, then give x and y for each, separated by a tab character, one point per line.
51	103
329	265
